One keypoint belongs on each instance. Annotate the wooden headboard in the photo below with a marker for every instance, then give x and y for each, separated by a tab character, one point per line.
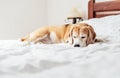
101	9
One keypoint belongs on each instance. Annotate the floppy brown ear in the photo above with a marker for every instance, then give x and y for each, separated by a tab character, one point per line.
68	34
91	36
71	32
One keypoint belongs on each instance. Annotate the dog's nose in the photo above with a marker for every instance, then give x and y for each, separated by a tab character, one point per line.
76	45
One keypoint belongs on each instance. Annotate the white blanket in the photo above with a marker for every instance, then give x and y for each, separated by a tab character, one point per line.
99	60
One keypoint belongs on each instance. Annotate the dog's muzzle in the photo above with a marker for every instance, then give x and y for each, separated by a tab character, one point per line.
76	45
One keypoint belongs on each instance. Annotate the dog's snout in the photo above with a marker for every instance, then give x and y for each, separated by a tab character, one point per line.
76	45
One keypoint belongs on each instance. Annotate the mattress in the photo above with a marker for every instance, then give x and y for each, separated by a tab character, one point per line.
99	60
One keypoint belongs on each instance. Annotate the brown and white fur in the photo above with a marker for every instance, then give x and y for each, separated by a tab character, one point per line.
49	35
80	34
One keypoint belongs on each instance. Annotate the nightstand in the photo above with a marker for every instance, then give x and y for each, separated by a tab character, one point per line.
75	19
74	16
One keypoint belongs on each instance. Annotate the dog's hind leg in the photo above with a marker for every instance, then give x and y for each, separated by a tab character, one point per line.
38	35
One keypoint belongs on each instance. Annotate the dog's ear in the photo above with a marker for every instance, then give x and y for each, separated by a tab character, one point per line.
71	32
68	36
91	36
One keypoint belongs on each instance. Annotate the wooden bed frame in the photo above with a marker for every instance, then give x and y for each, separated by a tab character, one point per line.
101	9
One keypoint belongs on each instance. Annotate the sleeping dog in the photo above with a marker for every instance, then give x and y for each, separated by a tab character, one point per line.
78	35
82	35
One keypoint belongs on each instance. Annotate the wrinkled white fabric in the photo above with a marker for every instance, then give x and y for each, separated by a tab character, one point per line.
99	60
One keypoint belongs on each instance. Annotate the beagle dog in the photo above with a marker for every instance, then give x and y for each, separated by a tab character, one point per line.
82	35
78	35
49	35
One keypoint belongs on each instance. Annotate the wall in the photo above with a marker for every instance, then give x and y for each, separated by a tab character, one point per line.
59	9
20	17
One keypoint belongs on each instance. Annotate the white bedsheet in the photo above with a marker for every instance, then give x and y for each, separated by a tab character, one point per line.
99	60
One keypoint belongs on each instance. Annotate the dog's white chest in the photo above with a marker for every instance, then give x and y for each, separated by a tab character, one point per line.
53	37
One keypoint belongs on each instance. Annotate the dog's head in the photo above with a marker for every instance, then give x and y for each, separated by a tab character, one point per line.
82	35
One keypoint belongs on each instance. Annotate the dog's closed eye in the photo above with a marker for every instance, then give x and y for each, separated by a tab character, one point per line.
74	36
83	37
67	41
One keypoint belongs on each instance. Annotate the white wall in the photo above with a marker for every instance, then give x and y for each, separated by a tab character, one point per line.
20	17
59	9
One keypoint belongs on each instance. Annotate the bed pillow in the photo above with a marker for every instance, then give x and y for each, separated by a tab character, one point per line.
106	26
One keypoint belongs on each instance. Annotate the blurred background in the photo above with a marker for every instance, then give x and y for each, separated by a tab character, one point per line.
20	17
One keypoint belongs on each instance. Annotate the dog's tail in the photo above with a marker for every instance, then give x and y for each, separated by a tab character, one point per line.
25	38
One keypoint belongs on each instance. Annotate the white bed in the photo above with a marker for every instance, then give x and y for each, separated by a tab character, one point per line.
99	60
